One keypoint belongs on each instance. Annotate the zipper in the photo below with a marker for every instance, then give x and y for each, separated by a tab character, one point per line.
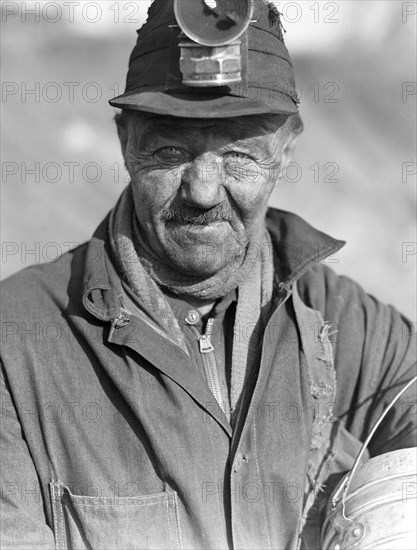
209	360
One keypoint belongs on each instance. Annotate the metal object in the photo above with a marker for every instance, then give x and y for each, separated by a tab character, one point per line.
204	66
210	51
374	506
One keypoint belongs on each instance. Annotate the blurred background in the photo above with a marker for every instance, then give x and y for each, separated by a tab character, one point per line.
353	174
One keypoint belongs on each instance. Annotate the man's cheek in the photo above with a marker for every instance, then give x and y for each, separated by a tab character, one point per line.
245	172
154	193
139	164
140	172
133	169
252	191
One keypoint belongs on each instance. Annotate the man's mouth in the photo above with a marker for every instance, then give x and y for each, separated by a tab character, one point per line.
186	216
212	230
202	226
197	225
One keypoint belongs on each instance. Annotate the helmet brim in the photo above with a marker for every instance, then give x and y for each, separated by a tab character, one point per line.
201	105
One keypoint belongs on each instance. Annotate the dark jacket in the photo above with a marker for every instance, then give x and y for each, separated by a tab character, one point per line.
112	439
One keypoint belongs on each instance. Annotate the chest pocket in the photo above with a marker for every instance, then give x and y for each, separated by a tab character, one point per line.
101	523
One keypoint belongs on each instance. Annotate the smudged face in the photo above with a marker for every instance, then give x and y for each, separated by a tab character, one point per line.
201	186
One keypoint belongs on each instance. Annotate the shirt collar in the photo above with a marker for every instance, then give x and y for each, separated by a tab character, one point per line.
297	244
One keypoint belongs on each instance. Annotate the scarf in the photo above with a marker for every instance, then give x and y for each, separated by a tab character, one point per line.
147	277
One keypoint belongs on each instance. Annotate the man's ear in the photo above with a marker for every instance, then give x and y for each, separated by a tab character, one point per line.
287	153
122	132
122	125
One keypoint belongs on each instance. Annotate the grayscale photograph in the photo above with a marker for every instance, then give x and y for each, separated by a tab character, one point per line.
208	275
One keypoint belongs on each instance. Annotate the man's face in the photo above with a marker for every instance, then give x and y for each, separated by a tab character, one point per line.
201	187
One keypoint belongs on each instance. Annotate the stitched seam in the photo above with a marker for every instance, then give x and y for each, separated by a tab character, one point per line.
214	455
303	264
59	512
54	511
260	479
269	52
99	312
118	500
113	504
95	283
176	519
313	261
169	523
61	518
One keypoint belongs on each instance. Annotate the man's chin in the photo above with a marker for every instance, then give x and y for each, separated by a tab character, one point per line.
201	250
194	234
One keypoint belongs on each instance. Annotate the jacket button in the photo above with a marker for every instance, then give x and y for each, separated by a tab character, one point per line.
192	317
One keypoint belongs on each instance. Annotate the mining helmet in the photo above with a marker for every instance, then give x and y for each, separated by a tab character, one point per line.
210	59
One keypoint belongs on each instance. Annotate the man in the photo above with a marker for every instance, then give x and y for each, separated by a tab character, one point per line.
191	382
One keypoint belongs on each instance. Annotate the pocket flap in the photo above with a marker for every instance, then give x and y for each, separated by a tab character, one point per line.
142	522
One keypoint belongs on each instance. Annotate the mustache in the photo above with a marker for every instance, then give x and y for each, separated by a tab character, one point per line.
179	213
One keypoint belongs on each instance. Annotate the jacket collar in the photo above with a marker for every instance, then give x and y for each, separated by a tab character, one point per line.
102	288
297	244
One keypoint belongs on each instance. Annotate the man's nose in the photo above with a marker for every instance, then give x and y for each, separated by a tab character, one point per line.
202	183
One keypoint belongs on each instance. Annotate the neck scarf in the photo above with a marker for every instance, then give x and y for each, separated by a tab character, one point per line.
146	276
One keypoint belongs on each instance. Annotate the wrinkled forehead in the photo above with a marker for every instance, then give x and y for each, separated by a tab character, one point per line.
256	129
235	128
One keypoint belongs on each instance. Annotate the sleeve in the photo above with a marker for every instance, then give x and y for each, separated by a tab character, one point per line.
389	363
22	517
375	356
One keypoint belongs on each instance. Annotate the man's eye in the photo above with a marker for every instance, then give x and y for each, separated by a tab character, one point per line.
170	155
235	155
236	160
